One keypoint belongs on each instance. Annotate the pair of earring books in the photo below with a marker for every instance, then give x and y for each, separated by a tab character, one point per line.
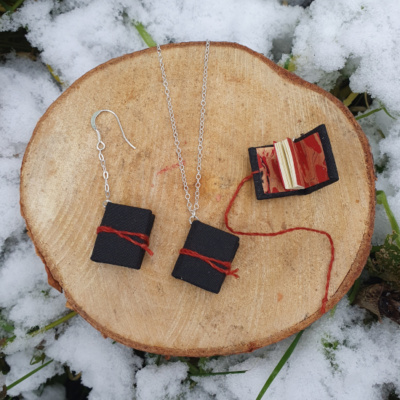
286	168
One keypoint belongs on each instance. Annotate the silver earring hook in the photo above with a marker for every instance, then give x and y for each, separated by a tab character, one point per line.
101	146
93	122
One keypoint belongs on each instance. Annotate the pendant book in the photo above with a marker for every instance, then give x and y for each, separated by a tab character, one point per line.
295	167
123	236
206	257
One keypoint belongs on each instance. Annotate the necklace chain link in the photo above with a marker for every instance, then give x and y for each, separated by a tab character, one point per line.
195	206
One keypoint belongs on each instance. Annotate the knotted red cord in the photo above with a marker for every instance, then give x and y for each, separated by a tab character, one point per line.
328	277
212	262
126	235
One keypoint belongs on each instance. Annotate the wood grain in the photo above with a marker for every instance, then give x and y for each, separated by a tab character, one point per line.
250	102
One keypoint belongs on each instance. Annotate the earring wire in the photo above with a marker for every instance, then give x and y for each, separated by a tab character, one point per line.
101	146
93	122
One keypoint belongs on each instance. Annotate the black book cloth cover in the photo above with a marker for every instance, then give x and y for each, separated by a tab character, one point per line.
316	160
110	248
209	242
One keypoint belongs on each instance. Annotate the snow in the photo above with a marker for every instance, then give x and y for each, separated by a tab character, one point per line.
162	382
40	304
359	38
363	32
92	32
109	368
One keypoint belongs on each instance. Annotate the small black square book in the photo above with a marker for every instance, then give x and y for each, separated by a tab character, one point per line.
294	167
123	236
206	257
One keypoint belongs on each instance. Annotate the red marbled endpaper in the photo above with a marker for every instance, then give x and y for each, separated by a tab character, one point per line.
311	159
270	171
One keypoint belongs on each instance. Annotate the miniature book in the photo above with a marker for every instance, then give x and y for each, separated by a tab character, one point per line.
206	257
294	167
123	236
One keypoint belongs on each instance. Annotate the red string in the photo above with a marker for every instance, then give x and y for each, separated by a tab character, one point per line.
328	277
125	235
211	261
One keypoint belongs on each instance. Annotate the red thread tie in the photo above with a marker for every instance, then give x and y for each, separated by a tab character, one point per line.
126	235
211	261
328	276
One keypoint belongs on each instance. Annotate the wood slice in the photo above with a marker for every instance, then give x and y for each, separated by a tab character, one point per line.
250	102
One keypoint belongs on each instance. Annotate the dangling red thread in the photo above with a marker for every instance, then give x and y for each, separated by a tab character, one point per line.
212	262
126	235
328	277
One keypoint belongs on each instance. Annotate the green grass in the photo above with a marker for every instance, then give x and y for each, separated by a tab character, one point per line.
354	290
10	8
5	325
373	112
329	348
382	199
29	374
36	330
197	368
280	365
144	34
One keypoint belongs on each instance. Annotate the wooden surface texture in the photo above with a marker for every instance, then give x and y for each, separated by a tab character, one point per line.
250	102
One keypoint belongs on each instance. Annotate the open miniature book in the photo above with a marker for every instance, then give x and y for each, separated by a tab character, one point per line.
290	167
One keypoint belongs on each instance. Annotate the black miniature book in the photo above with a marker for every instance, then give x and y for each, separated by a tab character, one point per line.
309	157
123	236
206	257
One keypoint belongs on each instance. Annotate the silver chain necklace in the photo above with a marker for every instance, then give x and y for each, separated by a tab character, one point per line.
191	207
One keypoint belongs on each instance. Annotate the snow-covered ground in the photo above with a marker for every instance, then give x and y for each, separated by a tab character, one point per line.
356	38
